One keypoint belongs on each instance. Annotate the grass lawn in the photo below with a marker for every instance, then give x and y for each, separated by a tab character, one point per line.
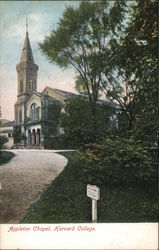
65	201
5	156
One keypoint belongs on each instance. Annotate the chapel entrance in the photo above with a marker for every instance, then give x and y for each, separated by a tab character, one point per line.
34	138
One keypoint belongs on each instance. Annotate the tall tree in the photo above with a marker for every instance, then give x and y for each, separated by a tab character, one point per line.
145	33
134	82
83	40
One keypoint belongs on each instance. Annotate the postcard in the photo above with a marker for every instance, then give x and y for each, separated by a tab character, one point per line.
78	130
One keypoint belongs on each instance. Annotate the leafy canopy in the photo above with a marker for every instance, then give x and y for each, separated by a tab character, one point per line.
84	39
133	81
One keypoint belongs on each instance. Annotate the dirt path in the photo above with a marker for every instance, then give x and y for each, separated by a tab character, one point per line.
24	178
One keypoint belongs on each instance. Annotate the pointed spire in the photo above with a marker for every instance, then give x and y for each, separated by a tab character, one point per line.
27	55
26	25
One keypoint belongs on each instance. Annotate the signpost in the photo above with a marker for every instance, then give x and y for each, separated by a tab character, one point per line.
93	192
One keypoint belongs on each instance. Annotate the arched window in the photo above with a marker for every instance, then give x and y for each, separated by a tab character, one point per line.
30	85
34	112
21	86
20	116
33	86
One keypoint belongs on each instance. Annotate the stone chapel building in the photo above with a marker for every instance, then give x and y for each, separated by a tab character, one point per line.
37	114
31	107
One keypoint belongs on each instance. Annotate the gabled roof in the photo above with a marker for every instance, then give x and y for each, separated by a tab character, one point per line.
61	96
58	91
32	94
35	93
57	94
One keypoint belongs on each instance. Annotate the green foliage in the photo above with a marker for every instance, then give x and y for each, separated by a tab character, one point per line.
137	62
117	161
50	120
17	135
63	202
60	142
80	86
83	40
77	121
132	82
3	140
112	55
77	124
144	30
145	127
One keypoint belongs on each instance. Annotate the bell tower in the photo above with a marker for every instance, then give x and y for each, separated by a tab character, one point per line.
27	81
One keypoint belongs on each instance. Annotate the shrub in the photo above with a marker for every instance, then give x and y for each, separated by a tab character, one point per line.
77	120
3	140
60	142
17	134
117	161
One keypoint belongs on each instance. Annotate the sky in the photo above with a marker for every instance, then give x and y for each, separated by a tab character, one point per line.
43	16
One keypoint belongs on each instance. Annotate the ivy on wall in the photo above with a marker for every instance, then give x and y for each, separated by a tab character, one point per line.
50	118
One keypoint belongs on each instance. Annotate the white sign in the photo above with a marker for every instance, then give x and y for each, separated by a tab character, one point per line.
93	192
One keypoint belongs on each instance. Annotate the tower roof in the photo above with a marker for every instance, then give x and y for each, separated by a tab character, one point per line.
27	55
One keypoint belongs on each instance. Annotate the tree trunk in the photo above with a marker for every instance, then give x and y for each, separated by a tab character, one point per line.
94	122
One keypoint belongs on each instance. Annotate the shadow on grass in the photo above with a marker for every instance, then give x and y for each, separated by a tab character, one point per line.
5	157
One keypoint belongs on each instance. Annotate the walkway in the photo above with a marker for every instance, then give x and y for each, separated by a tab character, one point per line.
23	180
